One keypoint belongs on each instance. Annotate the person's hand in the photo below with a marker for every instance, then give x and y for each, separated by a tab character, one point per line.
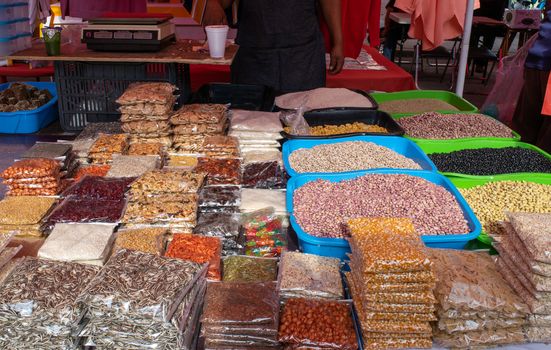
337	59
214	14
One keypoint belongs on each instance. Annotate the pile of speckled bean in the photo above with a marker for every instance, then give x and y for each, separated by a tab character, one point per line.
347	156
434	125
321	207
492	161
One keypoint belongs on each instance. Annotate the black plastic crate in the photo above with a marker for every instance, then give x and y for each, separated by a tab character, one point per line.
88	91
340	116
239	96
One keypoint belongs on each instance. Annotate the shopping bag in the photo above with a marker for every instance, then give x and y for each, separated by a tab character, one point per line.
503	98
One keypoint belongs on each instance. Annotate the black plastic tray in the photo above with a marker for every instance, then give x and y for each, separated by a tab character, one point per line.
239	96
339	116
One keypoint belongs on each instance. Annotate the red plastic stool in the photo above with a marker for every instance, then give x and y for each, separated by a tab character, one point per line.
23	70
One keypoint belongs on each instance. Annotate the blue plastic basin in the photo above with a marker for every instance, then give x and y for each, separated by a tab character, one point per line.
28	122
338	247
398	144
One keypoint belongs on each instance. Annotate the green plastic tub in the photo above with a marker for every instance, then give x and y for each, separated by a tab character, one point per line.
468	183
461	104
515	136
430	147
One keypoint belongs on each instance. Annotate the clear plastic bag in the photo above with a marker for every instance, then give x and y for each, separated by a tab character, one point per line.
6	254
538	334
534	229
255	121
535	305
397	343
249	269
263	233
141	286
147	240
471	281
199	114
478	324
309	275
241	304
217	225
24	210
98	187
52	299
301	325
502	99
132	166
268	175
219	196
167	181
486	338
255	135
536	266
253	199
87	210
198	249
93	130
539	320
32	168
220	171
78	242
295	122
147	92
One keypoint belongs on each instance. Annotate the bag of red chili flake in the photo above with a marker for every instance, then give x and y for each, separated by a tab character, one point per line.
198	249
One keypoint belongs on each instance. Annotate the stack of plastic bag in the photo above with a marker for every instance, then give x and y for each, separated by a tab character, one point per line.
141	300
62	152
476	305
240	315
106	146
146	110
37	303
309	276
24	215
525	262
33	177
164	198
192	123
259	135
391	283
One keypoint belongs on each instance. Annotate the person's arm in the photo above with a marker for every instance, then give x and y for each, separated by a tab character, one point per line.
214	12
331	10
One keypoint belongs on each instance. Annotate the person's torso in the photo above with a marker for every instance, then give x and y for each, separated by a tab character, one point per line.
539	55
274	24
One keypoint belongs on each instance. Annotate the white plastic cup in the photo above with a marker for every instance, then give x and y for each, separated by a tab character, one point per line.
216	36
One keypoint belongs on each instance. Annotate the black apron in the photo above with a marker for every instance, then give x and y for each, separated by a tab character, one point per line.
280	45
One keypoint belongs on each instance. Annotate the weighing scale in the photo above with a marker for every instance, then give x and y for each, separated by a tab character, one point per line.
134	32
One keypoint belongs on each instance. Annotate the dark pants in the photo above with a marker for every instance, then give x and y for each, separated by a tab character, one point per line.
528	121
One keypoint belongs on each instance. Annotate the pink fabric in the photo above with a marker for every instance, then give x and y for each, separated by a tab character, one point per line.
95	8
434	21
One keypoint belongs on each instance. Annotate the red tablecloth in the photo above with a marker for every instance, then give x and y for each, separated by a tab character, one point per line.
392	79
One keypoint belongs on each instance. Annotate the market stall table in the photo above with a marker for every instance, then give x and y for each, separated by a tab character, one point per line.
89	82
394	78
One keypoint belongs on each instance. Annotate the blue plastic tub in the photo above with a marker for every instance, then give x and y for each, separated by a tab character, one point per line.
338	247
27	122
398	144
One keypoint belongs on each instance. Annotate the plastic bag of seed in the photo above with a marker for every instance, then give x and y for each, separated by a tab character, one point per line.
268	175
235	304
148	240
217	225
486	338
535	231
478	324
301	325
249	269
309	275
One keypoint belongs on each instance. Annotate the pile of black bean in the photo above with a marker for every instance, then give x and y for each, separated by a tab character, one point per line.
492	161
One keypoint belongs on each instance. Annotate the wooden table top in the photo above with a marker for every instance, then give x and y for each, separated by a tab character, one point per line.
178	52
